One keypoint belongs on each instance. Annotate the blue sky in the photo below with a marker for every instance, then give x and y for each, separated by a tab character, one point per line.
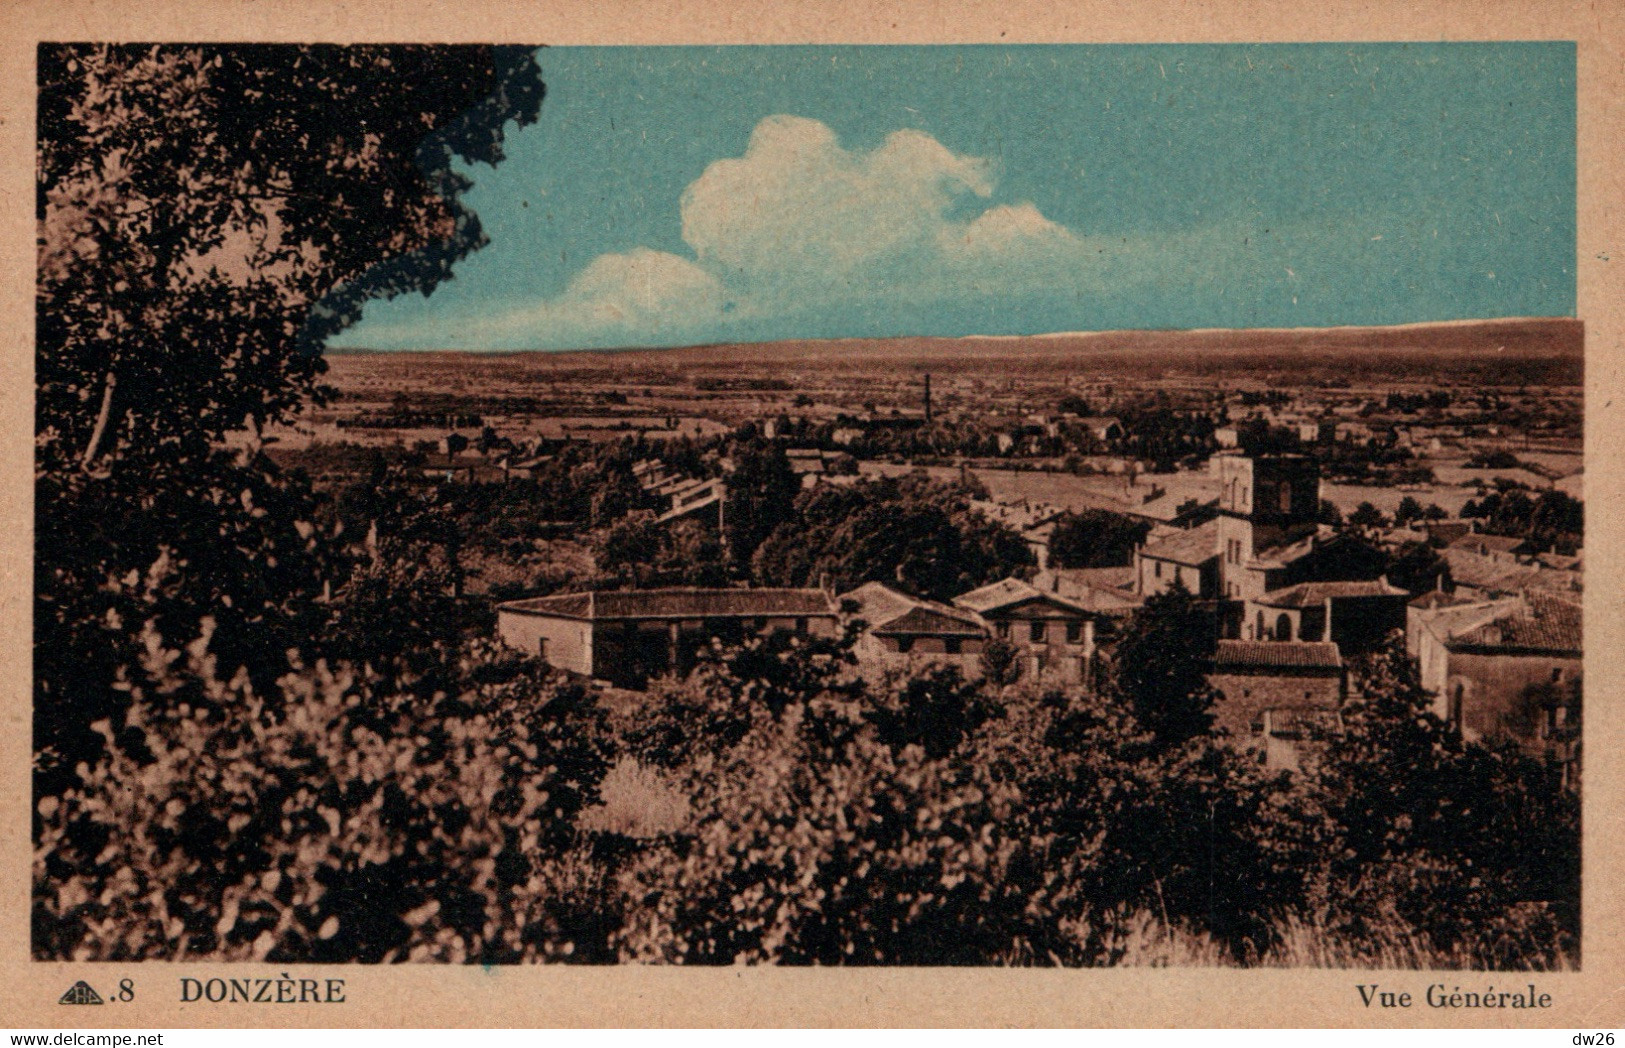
673	196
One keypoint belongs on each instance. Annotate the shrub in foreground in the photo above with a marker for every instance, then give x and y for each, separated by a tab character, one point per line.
341	819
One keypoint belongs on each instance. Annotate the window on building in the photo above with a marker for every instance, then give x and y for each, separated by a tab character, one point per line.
801	626
1283	627
1003	630
905	644
1074	633
1557	674
1038	632
541	649
951	645
1158	564
1258	627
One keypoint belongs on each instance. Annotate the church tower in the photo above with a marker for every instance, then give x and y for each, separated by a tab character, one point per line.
1263	502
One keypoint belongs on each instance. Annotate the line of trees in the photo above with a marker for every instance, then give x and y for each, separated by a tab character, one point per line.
824	818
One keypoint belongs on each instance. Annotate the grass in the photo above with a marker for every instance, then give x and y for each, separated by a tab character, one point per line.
1143	940
637	802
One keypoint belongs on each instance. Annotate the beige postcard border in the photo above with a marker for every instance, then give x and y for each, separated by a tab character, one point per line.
638	996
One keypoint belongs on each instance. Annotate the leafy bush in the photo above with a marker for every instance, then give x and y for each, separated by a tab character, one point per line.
341	818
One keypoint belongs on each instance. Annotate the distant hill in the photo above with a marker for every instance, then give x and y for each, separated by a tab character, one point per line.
1518	336
1540	350
1524	337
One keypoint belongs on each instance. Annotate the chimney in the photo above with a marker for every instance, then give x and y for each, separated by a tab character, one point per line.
928	397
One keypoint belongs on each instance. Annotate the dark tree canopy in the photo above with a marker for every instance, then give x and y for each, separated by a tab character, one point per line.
761	495
1161	666
1095	538
208	216
911	532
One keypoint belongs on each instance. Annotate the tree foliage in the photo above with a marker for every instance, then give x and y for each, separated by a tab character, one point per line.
1095	538
207	217
1161	665
340	818
910	531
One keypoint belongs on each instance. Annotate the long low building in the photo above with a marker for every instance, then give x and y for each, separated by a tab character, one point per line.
627	637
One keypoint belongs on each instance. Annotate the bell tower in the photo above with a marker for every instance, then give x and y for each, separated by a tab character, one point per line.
1263	502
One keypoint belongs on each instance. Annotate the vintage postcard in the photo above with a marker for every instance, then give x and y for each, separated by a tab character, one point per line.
530	518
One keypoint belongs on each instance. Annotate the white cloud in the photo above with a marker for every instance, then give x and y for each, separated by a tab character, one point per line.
798	208
640	287
800	224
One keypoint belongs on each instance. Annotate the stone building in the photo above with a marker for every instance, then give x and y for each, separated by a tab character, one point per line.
1509	669
627	637
1356	615
1269	509
1050	633
1188	557
1275	692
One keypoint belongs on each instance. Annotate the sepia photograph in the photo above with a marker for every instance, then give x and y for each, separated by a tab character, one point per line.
809	505
1020	507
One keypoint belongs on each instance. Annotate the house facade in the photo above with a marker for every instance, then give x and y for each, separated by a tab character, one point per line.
1509	669
1356	615
1277	694
1051	634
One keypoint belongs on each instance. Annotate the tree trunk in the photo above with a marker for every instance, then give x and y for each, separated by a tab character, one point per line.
100	430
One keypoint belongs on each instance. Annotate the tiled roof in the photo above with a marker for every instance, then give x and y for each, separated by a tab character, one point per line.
1287	553
889	612
1438	599
1006	592
1195	547
1496	543
676	603
1543	623
935	622
1313	594
1098	589
876	602
1299	654
1493	576
565	605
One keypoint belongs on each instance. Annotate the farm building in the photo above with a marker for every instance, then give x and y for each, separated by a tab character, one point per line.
1512	670
630	636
